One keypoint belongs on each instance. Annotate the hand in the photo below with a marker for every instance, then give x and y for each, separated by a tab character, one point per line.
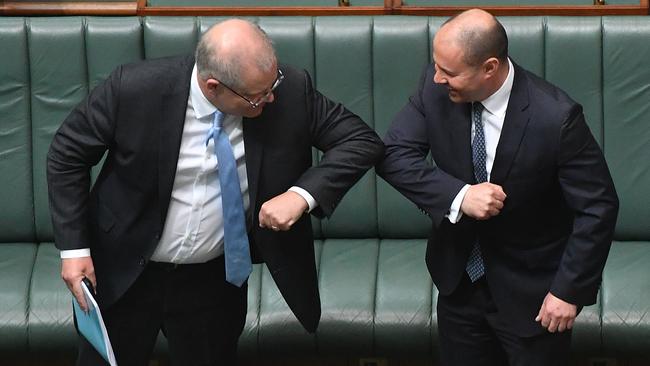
280	212
483	201
556	314
73	270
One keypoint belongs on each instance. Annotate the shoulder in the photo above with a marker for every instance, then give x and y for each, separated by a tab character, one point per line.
155	73
294	76
297	84
547	97
549	104
159	65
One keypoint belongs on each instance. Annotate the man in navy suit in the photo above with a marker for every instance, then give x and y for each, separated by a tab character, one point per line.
522	203
151	234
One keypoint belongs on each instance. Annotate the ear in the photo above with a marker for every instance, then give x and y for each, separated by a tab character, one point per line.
491	66
212	84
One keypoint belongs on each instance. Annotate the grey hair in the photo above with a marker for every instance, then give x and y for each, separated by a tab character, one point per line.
229	69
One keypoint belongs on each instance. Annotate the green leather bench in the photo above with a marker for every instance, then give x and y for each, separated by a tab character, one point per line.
377	297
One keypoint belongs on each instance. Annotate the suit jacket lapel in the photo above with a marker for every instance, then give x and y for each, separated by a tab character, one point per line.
514	127
460	125
254	133
172	118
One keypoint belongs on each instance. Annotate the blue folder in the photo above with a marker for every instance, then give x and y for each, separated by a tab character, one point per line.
91	326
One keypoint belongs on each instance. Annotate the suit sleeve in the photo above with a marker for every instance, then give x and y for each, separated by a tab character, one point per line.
350	147
78	145
589	191
405	165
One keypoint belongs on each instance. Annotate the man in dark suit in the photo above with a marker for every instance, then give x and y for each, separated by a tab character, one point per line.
522	203
153	233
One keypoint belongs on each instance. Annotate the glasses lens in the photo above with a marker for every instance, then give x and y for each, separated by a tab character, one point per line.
266	96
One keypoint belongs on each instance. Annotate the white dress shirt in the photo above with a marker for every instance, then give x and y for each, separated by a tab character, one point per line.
193	231
493	116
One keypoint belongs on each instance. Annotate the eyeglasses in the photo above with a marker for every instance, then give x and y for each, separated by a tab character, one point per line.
263	98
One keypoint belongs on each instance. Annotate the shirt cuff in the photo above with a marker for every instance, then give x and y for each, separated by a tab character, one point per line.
455	214
75	253
311	202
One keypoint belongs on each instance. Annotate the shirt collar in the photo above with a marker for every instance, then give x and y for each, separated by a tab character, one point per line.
497	103
202	106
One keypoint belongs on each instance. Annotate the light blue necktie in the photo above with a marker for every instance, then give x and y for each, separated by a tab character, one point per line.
236	249
475	267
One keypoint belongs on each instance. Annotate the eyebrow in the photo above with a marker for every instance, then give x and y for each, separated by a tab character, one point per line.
265	90
446	71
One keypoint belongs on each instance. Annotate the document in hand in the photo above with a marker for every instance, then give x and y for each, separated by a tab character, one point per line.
91	326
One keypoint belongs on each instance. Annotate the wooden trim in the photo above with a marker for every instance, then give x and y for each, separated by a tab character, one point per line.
529	10
264	11
646	4
391	7
69	8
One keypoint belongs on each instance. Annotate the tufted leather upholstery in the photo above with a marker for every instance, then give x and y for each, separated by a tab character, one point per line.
377	297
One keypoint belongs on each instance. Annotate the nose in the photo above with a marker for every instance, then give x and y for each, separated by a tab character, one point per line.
438	79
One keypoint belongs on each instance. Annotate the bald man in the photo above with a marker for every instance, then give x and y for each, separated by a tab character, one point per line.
209	168
522	203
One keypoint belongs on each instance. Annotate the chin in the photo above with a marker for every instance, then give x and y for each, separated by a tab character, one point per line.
254	112
455	98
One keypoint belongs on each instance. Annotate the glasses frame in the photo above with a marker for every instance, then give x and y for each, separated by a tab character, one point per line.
264	97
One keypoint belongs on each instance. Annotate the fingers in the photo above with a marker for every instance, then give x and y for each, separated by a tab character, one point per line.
569	324
78	293
555	323
561	326
281	212
552	325
483	201
556	315
272	222
73	270
498	192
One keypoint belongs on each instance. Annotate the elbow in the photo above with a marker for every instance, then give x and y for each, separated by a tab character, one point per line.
379	150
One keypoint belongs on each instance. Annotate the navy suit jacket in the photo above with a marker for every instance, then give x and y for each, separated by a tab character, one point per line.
555	229
137	115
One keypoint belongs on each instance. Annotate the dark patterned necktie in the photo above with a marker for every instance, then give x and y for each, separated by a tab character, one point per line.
475	267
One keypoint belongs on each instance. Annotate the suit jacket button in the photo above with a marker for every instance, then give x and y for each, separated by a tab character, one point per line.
142	262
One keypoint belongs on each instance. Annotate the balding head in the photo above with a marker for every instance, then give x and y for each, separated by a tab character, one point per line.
478	33
229	49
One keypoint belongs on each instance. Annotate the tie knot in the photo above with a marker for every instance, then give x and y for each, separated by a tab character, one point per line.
478	108
218	119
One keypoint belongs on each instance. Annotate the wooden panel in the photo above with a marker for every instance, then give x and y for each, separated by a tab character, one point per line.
642	8
69	8
139	7
390	7
266	11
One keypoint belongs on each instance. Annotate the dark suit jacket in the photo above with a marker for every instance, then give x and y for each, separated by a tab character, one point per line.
556	226
137	114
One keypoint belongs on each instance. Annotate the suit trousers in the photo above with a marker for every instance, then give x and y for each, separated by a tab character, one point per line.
472	334
200	314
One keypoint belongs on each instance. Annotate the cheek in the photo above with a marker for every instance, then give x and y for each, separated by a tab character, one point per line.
252	113
455	84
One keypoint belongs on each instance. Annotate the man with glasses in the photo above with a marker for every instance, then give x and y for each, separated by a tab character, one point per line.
208	169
